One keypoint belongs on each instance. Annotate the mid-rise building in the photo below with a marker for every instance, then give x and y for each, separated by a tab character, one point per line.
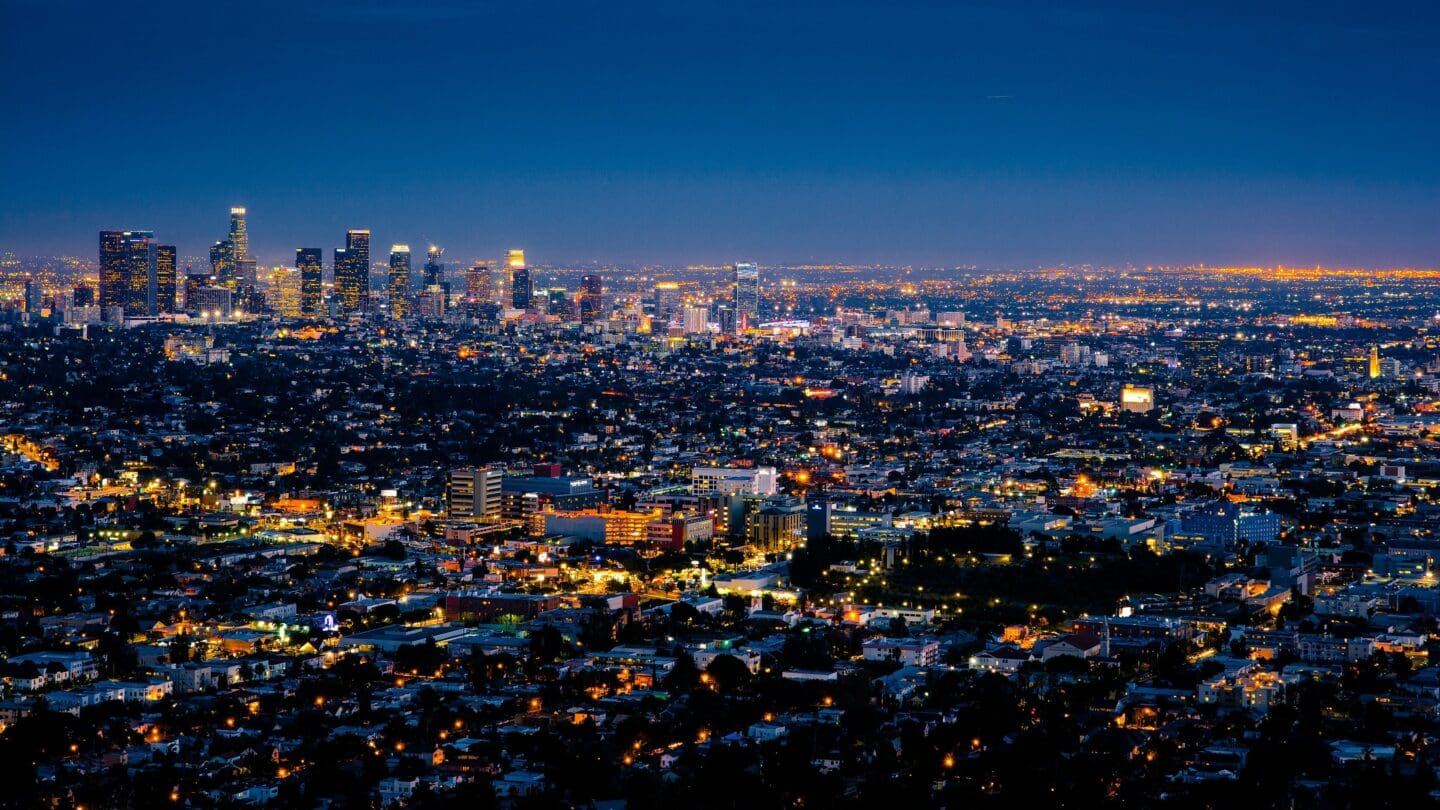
1137	399
762	481
1201	356
473	493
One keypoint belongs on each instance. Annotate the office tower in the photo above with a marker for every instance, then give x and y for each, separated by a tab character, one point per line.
222	263
127	274
308	262
399	281
479	286
1374	364
112	271
82	296
352	273
245	271
239	235
434	268
522	288
747	295
726	319
556	301
211	302
667	299
592	293
165	279
695	320
193	282
284	295
473	493
33	295
1202	355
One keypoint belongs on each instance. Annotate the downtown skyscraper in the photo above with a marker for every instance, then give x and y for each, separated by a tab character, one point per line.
522	286
240	238
165	280
592	293
309	262
747	295
352	273
399	281
130	274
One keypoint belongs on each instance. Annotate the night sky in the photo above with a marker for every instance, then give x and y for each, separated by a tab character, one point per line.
1005	133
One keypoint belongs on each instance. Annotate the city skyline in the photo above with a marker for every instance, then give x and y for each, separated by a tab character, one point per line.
992	134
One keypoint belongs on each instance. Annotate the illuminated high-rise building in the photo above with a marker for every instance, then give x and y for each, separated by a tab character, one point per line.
245	269
82	296
308	263
399	282
284	295
113	262
127	273
222	263
522	287
592	293
695	320
479	285
747	295
557	301
667	299
165	280
34	295
352	273
434	268
1374	364
1202	356
239	235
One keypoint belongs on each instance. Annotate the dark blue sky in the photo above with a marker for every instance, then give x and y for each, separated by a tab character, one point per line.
996	133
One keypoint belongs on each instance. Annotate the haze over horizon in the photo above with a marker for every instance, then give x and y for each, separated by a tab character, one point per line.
987	133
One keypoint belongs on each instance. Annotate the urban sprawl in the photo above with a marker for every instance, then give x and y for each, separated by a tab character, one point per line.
382	532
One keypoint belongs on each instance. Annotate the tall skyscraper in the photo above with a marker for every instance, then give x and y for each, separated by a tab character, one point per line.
82	296
308	262
352	272
667	299
522	287
127	273
695	320
142	283
479	285
222	264
284	294
399	286
592	293
1373	366
239	235
434	268
165	279
113	259
747	295
245	271
33	296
